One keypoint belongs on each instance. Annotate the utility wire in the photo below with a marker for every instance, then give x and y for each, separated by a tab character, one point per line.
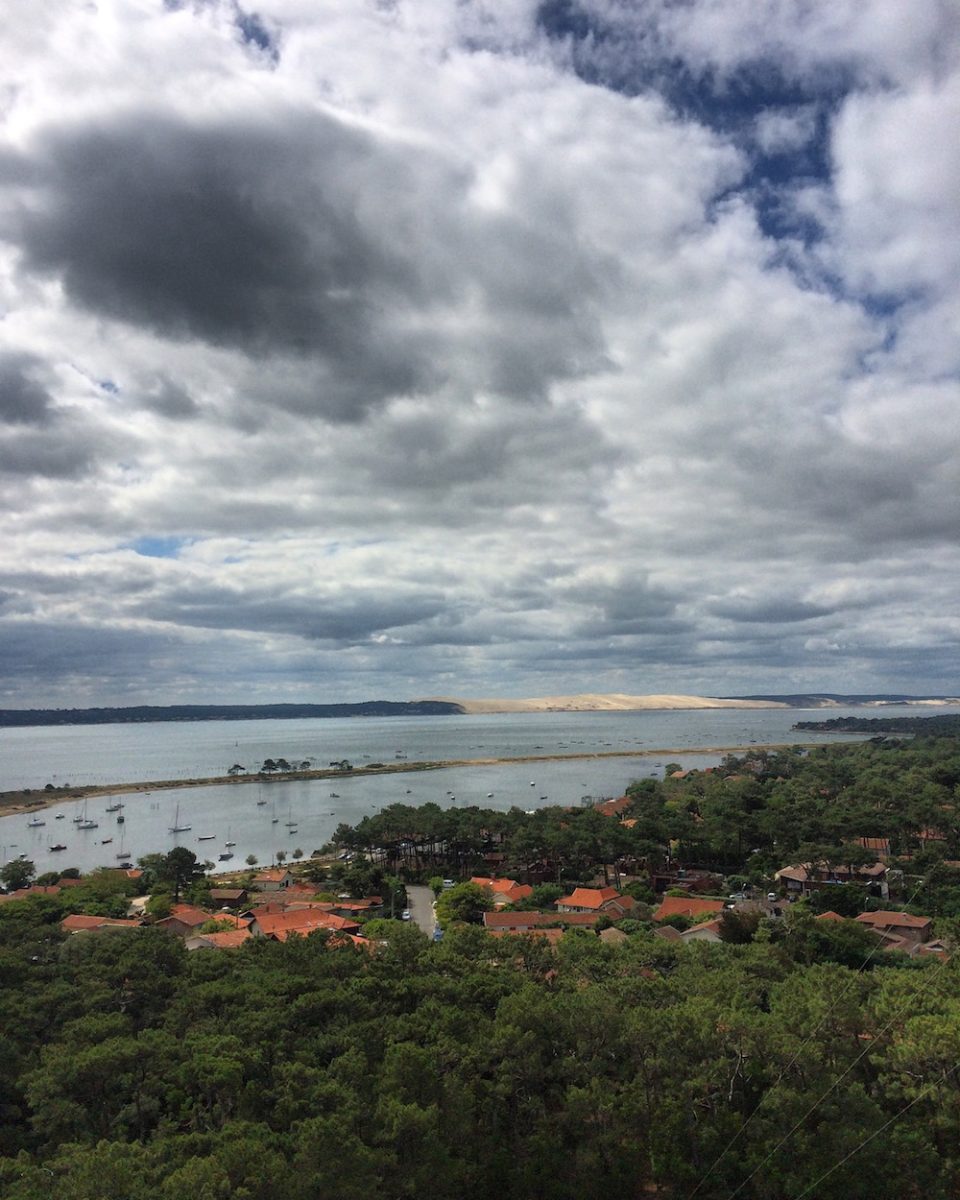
876	1133
933	973
803	1045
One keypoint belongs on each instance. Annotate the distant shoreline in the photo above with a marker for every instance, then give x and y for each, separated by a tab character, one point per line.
31	800
610	702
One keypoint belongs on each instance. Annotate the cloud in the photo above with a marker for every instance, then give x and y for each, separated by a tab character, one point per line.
399	349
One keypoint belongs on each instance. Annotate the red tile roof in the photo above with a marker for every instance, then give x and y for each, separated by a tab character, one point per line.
504	887
610	808
77	922
302	920
892	920
226	939
593	898
686	906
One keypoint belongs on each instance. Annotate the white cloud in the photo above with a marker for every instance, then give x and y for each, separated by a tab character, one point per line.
448	369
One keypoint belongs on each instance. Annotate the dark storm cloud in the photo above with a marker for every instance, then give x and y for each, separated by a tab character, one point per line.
170	400
355	615
64	453
245	238
37	650
304	238
770	611
23	399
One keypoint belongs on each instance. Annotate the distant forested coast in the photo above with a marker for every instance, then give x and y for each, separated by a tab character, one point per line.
225	712
947	725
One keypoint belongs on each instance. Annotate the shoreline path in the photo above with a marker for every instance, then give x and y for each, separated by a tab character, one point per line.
31	800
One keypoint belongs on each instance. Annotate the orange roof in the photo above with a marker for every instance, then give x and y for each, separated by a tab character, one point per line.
885	920
270	876
227	939
189	914
506	887
713	925
880	844
79	921
610	808
686	906
830	915
303	920
591	897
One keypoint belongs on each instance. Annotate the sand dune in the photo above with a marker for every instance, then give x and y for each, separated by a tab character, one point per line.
614	702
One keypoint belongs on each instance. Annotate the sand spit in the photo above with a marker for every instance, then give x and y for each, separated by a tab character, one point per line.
595	702
32	801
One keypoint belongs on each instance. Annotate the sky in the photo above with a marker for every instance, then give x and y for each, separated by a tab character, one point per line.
404	348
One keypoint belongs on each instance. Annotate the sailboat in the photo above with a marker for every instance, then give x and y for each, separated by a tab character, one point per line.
176	827
123	854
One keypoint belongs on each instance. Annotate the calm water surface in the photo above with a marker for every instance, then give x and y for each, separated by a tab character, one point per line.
285	815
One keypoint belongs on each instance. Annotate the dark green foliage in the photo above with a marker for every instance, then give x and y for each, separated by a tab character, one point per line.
133	1070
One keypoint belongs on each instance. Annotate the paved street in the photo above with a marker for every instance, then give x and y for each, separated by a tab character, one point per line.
420	902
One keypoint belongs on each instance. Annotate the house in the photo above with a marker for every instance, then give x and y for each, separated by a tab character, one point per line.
691	879
225	939
687	906
667	933
184	920
550	935
272	881
299	922
878	845
33	890
505	891
898	924
706	931
613	808
605	900
800	879
81	923
234	898
613	937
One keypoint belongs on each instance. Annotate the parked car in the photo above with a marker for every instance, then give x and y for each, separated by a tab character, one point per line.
405	915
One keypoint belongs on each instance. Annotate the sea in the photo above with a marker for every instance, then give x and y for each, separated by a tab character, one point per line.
261	819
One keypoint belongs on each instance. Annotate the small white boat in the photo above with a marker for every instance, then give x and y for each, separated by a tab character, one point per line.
206	837
88	825
35	823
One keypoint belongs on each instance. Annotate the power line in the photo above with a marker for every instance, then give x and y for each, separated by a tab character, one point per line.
876	1133
810	1036
933	973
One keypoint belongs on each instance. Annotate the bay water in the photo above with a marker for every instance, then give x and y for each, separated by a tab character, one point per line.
261	819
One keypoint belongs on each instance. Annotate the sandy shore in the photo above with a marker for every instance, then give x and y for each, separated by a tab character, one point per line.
34	801
603	702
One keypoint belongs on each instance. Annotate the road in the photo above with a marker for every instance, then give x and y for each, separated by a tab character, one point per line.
420	902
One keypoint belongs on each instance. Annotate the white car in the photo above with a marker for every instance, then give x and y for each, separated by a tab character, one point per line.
405	915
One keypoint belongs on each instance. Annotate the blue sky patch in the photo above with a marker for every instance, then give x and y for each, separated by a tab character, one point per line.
159	547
